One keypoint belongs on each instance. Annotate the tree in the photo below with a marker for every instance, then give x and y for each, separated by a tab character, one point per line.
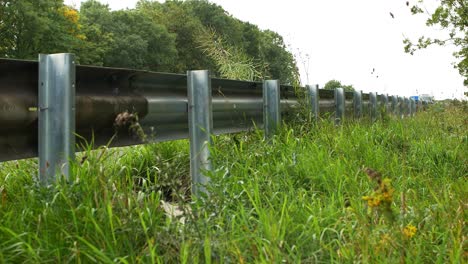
142	44
451	16
280	63
205	29
98	41
171	36
30	27
177	18
134	40
213	16
333	84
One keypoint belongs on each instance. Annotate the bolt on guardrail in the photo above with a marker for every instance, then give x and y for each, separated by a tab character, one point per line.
56	115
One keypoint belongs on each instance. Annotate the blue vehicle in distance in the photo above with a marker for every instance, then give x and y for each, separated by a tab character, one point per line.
426	98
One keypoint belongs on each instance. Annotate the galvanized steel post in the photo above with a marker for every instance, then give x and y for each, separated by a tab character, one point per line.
373	106
200	128
394	105
357	104
413	107
271	107
401	108
419	106
313	94
410	106
407	106
410	109
56	115
339	105
384	101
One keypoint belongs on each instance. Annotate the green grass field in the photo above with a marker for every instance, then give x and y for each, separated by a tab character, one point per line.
303	197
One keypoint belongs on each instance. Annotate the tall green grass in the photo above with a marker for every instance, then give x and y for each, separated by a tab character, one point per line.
296	198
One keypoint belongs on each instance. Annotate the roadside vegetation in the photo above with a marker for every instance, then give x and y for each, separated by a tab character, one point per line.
394	191
389	192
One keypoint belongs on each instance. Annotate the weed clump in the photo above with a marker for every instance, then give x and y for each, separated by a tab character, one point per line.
382	197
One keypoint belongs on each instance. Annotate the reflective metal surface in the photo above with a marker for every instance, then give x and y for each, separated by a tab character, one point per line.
271	107
200	127
56	115
159	100
339	105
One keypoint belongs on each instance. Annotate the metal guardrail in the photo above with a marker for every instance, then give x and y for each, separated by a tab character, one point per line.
43	104
159	99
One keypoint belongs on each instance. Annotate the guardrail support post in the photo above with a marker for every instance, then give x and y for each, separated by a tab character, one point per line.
200	128
407	108
401	102
271	107
373	106
313	94
419	106
410	106
394	105
357	104
56	115
339	105
384	100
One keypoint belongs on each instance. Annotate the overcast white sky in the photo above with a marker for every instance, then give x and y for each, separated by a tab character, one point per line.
345	40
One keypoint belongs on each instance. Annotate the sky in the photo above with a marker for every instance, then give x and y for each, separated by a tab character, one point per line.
356	42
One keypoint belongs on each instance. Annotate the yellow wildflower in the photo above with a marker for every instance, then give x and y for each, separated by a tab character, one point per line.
382	196
372	201
409	231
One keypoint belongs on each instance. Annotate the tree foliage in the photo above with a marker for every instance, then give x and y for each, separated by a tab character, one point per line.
333	84
131	41
172	36
30	27
452	17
